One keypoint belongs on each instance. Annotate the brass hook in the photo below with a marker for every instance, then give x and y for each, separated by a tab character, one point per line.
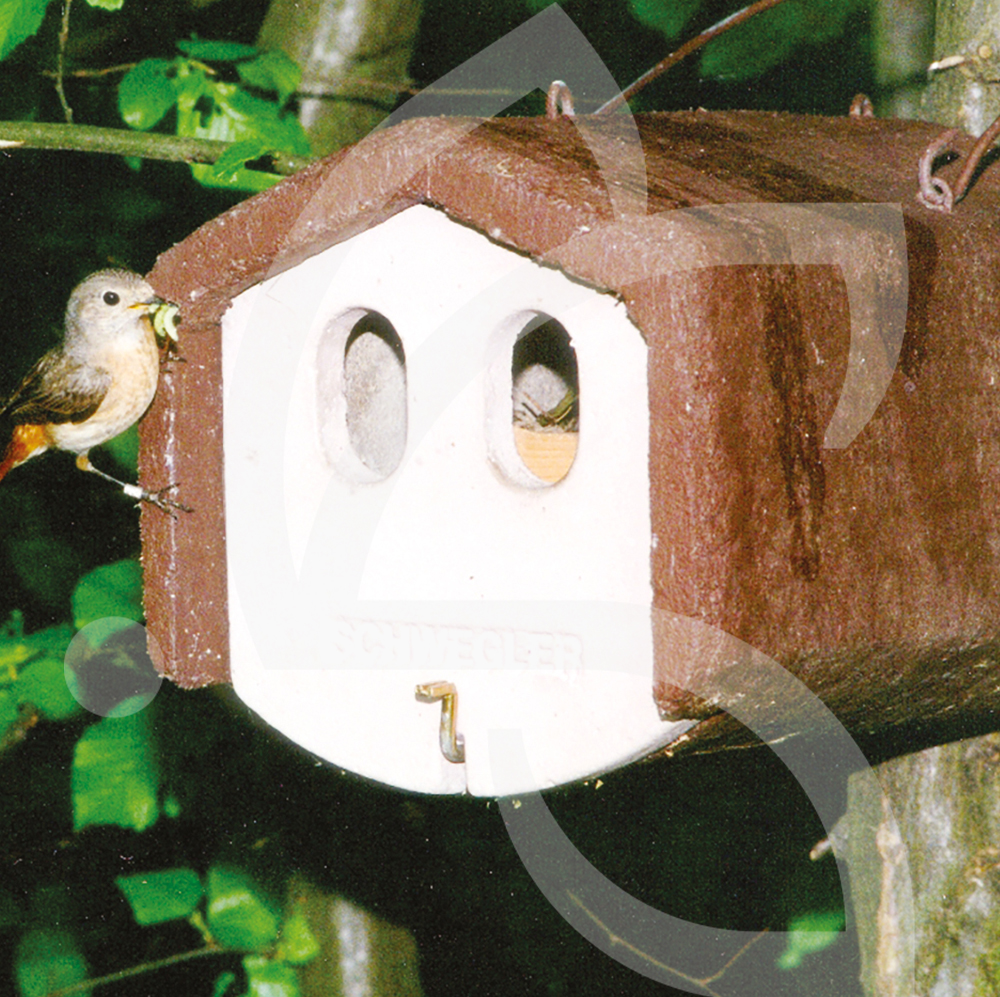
452	743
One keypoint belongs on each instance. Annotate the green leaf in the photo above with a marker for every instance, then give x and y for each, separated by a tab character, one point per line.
111	590
666	16
223	982
210	108
257	127
263	119
107	4
43	684
114	778
9	713
755	46
167	895
240	914
239	117
38	661
19	19
272	71
126	707
811	932
13	654
266	978
297	944
16	650
226	168
51	642
146	93
250	180
216	51
193	86
771	37
48	960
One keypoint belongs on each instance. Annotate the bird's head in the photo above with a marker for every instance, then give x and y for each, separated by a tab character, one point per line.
107	304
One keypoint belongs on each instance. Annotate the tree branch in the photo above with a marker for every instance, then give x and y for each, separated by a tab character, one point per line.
120	142
146	967
702	982
61	63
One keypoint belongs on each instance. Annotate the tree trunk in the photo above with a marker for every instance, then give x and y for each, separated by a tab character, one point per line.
965	96
361	955
354	56
903	48
926	890
944	937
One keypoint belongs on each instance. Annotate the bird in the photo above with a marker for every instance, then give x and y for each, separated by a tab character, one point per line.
98	382
545	401
546	420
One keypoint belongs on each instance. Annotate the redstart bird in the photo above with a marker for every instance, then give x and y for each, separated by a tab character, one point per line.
97	383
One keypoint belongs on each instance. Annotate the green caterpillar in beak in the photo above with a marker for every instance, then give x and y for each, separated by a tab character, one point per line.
166	319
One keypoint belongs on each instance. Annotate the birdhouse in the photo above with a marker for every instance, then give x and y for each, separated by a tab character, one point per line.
546	427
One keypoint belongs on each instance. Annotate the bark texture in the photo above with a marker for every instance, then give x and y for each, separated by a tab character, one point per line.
354	56
966	96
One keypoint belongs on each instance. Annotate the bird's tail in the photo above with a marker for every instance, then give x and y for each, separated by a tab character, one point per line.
24	442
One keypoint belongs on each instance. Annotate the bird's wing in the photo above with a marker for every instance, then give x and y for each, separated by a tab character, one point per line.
57	389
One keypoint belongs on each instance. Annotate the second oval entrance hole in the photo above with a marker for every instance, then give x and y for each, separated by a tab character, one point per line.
545	399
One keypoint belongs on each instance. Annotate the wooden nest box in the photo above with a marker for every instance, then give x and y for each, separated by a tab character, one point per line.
555	420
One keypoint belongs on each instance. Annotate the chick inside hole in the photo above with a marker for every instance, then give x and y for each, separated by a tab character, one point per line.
545	399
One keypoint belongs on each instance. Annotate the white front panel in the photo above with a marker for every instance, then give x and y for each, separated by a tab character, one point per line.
350	586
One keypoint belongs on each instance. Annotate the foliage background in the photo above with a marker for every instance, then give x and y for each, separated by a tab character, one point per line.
720	840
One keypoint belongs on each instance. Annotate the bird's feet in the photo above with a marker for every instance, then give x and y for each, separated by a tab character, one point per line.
158	498
140	494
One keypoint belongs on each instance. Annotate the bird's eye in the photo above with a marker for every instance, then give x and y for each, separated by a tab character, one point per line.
111	298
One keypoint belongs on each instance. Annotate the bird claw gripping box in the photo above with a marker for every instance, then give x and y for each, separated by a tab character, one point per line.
766	434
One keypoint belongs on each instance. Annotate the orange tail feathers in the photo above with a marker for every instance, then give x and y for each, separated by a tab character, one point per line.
25	442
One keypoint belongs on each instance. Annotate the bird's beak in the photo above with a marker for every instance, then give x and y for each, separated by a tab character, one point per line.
148	307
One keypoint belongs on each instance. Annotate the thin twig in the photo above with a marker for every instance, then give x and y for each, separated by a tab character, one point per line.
646	957
122	67
948	62
411	90
145	967
934	192
739	955
326	94
61	61
972	162
685	50
122	142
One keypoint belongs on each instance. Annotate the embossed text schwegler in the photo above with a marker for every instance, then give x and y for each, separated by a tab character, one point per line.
393	644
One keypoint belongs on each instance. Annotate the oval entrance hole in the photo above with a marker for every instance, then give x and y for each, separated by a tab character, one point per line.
545	399
375	393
